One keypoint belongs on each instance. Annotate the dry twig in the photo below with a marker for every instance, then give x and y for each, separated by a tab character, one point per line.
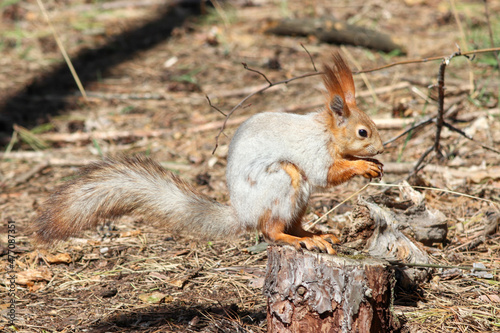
271	84
310	57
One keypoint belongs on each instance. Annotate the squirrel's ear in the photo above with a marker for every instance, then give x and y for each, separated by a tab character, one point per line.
345	78
336	105
338	110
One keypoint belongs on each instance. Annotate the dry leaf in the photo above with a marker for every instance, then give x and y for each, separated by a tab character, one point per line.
60	258
130	233
257	283
180	253
161	277
30	276
177	283
155	297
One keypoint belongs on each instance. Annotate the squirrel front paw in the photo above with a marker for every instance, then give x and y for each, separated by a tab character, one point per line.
370	168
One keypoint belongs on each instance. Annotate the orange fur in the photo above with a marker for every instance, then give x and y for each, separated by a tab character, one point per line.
343	170
346	80
332	84
293	171
275	230
339	83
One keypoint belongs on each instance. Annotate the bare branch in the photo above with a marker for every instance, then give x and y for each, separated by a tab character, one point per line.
213	106
418	166
223	127
414	127
310	56
462	133
440	116
415	61
256	71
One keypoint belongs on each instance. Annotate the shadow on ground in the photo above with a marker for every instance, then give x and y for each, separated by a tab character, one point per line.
181	318
47	95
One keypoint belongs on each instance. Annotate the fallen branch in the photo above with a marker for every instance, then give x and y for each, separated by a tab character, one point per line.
337	32
27	175
124	96
111	135
119	4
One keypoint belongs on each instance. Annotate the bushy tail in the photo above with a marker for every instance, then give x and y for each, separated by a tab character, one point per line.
132	186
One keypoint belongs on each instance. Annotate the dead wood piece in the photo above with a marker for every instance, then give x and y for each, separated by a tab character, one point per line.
394	230
28	175
115	5
332	31
412	218
390	239
314	292
110	135
427	226
124	96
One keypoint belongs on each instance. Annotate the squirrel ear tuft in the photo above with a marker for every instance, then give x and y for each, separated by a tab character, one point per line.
332	83
344	76
336	102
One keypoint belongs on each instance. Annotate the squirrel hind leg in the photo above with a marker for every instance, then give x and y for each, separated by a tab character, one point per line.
275	231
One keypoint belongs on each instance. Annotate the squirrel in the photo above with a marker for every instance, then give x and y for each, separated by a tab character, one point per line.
275	160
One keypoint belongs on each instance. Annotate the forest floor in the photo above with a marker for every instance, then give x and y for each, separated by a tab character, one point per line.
147	68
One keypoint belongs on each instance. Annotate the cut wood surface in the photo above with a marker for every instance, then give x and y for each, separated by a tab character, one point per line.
315	292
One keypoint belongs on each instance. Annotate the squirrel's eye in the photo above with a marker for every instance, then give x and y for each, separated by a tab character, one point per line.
362	133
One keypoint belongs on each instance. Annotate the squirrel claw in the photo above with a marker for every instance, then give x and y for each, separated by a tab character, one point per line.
332	239
318	243
372	168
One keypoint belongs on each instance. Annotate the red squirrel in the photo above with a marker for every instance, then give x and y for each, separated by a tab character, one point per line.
275	161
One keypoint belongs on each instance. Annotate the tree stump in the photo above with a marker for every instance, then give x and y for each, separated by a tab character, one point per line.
316	292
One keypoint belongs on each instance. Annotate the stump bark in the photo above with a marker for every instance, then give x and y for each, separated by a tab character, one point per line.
315	292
